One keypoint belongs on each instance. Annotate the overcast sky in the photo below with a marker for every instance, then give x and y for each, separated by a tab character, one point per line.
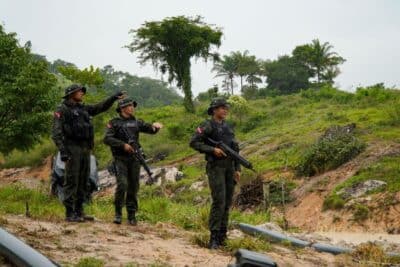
93	32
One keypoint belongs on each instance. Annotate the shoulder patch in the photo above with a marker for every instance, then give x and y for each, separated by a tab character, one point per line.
109	125
199	130
57	114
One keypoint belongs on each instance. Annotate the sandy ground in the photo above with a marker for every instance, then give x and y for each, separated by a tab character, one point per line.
144	245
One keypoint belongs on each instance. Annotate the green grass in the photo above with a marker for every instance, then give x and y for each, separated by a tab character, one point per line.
387	169
90	262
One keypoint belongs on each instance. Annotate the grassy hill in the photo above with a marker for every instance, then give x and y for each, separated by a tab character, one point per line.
275	134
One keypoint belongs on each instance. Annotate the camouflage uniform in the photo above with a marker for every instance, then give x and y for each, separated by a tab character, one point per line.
220	171
74	136
127	167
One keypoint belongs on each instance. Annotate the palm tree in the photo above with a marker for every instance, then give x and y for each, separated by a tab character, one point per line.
242	61
226	67
323	60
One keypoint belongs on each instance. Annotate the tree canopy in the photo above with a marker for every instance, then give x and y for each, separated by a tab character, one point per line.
27	94
170	44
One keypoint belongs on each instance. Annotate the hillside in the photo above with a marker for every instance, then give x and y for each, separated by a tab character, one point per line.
276	134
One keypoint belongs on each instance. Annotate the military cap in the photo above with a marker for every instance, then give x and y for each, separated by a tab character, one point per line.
125	102
73	88
215	103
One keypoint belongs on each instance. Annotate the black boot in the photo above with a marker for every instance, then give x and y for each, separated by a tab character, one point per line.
82	216
214	241
132	219
118	216
117	219
70	215
222	236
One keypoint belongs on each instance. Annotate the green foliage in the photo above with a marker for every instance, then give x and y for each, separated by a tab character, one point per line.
14	198
286	75
176	131
361	212
327	92
387	169
35	157
27	94
146	92
250	243
333	202
329	153
209	95
320	60
90	262
254	121
239	106
171	43
89	76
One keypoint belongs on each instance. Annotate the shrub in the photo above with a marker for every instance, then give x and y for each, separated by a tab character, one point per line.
327	92
176	131
361	212
329	152
333	202
253	122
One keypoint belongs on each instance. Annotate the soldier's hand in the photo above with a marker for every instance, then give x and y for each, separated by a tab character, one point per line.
236	176
120	94
64	156
157	125
128	148
219	153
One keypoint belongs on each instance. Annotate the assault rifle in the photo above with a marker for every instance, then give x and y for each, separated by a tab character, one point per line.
139	155
232	154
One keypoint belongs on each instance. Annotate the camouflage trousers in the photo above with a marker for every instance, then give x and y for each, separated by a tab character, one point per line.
127	172
222	184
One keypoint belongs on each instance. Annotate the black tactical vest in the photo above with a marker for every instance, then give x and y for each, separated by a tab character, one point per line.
132	127
78	126
220	132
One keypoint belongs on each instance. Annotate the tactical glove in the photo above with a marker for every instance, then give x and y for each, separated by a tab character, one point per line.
118	94
64	156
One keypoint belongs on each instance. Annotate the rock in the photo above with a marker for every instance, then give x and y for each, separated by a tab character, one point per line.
106	179
360	189
161	174
197	186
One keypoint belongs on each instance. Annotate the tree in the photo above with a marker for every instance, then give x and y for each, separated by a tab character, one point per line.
89	76
242	60
321	60
239	106
27	94
286	75
227	67
147	92
170	44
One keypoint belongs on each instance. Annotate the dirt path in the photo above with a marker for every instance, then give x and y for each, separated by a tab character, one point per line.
115	245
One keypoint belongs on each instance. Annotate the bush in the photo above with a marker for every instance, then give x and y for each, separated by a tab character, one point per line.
253	122
330	152
333	202
327	92
361	213
176	131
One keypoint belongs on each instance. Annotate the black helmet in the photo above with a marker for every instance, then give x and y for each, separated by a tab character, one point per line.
73	88
125	102
215	103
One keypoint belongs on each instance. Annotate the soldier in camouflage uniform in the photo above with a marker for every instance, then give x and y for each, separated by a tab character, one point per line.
127	167
222	171
74	137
